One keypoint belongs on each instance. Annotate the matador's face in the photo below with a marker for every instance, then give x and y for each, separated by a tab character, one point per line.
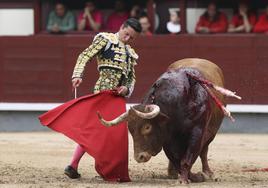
127	34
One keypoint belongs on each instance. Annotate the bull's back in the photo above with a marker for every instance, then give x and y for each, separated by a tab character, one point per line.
208	69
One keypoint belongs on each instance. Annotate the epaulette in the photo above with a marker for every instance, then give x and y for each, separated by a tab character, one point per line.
109	36
132	52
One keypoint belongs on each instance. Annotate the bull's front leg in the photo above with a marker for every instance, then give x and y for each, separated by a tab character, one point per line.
172	171
191	154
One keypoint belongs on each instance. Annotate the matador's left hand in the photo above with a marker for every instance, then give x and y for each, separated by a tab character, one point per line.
122	90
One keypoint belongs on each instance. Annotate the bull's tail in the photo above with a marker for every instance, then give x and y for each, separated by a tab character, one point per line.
206	84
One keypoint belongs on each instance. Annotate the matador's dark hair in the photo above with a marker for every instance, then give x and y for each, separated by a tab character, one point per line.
133	23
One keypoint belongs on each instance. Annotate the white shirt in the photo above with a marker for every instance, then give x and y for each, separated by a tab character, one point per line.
173	28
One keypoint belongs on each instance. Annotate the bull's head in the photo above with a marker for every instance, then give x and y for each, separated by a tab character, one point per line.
147	126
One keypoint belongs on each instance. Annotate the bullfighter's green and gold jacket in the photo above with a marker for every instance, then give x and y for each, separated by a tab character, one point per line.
115	61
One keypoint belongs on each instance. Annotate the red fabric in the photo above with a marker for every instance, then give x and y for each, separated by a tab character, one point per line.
237	20
262	24
218	26
115	20
96	15
78	120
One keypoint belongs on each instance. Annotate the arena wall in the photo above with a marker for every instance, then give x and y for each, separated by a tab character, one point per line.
38	68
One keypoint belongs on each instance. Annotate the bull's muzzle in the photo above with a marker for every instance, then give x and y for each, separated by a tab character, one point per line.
142	157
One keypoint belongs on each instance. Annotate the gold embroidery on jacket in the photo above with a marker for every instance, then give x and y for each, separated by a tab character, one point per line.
111	54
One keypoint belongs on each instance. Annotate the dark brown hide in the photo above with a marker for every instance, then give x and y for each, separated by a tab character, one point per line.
188	122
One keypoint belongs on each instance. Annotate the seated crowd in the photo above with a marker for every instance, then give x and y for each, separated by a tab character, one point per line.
243	20
61	19
213	20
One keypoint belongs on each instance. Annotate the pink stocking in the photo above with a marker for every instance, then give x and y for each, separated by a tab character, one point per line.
78	153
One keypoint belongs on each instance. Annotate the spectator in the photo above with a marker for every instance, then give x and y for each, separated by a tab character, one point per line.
212	21
60	20
90	19
117	18
135	12
145	25
173	26
243	20
262	24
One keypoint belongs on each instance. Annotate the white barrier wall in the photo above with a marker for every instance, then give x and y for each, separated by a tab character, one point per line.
16	22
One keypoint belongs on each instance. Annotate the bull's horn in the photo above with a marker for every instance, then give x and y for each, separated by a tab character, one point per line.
155	110
116	121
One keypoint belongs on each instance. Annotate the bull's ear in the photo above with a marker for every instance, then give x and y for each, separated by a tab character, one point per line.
161	119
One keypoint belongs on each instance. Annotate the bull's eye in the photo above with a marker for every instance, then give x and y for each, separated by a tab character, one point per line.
146	129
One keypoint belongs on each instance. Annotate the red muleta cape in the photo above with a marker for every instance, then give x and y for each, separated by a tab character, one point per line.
77	119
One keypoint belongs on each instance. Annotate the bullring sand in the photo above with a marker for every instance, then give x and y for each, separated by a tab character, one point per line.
38	159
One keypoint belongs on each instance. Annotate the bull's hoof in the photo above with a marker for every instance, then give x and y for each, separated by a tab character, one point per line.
209	176
183	180
197	177
71	172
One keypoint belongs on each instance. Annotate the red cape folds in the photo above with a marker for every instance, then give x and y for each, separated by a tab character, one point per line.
78	120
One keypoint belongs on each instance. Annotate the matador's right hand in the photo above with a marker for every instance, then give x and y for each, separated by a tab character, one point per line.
76	82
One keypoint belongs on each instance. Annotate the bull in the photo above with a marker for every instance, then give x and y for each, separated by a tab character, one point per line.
181	113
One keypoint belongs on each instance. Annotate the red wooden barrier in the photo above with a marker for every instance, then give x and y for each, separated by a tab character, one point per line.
38	68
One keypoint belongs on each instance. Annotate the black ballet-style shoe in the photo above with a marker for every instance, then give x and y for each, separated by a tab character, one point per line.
71	172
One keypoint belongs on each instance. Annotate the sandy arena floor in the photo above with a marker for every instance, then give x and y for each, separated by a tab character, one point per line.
38	160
